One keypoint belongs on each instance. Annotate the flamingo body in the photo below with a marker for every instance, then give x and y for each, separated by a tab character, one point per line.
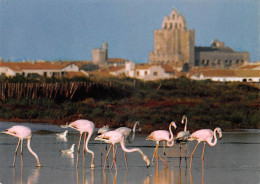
19	131
83	125
205	135
159	135
182	135
22	132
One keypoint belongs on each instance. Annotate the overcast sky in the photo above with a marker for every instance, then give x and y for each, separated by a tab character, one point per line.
70	29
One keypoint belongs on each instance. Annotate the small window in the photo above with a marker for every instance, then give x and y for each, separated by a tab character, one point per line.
145	73
176	25
137	73
155	73
165	26
173	16
170	26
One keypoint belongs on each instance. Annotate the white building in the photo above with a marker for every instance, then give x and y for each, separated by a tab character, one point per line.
226	75
46	69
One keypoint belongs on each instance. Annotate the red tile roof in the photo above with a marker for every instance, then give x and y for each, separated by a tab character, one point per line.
18	66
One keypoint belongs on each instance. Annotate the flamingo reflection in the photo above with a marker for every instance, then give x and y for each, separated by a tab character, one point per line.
113	176
202	175
166	175
84	178
32	178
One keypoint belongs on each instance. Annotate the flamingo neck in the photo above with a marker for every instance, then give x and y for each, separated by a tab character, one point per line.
171	137
133	133
145	158
86	147
186	122
215	138
33	153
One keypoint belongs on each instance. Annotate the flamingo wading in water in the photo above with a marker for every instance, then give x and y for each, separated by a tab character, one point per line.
182	136
83	126
22	132
204	135
113	137
162	135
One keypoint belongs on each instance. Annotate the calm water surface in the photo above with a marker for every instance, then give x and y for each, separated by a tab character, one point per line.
235	159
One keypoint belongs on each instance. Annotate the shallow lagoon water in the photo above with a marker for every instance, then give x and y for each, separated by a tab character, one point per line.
235	159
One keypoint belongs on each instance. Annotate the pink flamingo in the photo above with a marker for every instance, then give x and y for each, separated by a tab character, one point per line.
162	135
205	135
113	137
22	132
87	127
182	136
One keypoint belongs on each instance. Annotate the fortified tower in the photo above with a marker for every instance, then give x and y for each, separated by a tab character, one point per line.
173	44
100	55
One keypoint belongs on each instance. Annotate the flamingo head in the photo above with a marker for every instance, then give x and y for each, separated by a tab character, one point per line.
219	132
184	117
92	165
145	158
72	146
173	124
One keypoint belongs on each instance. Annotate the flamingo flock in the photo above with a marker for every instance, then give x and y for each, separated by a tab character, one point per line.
120	136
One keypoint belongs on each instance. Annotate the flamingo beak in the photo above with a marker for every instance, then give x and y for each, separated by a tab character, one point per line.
4	132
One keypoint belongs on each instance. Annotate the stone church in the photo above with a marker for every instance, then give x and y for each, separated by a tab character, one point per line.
174	44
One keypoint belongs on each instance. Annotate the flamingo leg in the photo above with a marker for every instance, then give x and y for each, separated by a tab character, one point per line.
158	157
202	156
113	161
180	151
126	160
154	152
107	156
78	149
114	157
186	151
21	152
15	153
84	145
164	151
191	156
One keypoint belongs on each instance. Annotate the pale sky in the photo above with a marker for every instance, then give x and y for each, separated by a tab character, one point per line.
70	29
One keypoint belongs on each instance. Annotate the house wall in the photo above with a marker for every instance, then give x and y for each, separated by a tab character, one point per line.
218	59
151	73
227	79
130	69
7	72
